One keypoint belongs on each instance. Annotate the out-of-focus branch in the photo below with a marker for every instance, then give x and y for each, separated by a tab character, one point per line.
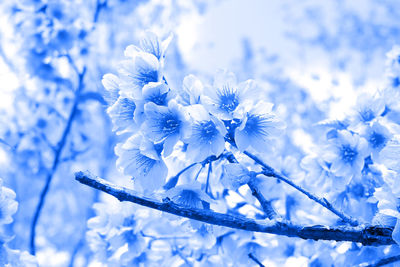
56	161
367	235
251	256
269	171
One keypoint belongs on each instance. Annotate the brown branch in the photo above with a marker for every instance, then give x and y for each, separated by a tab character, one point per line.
367	235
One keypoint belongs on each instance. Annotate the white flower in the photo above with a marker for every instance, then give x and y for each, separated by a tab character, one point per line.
151	44
390	154
192	89
157	93
111	84
189	195
377	137
369	108
207	135
138	71
346	154
165	124
258	127
122	114
140	158
225	96
8	205
234	176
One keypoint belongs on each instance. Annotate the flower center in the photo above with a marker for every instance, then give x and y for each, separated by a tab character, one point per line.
256	125
228	99
170	124
130	237
158	99
349	154
367	115
144	77
377	140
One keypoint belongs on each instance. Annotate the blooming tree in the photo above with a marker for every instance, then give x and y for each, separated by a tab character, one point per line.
188	170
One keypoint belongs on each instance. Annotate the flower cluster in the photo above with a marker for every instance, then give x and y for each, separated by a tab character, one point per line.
8	207
202	121
359	159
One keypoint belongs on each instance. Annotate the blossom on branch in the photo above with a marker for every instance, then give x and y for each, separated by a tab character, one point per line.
141	159
258	127
346	154
207	135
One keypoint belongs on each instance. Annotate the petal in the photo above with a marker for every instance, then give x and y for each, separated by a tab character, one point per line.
169	144
224	78
218	145
198	113
241	139
194	88
396	232
151	44
131	51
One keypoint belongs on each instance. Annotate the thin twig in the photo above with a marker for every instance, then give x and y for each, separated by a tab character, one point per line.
265	204
366	235
174	180
251	256
382	262
269	171
208	176
56	162
253	185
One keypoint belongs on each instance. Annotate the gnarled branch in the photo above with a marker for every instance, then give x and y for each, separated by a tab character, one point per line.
367	235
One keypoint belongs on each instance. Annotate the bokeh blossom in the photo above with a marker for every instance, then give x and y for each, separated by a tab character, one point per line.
377	137
8	205
346	154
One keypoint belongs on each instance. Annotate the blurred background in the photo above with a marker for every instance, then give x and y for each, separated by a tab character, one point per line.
320	54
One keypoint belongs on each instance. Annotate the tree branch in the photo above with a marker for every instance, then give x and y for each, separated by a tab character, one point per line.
253	185
251	256
56	161
265	204
367	235
269	171
382	262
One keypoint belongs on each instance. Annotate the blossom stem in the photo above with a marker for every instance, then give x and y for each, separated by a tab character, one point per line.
251	256
198	173
367	235
253	185
269	171
208	176
56	161
174	180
